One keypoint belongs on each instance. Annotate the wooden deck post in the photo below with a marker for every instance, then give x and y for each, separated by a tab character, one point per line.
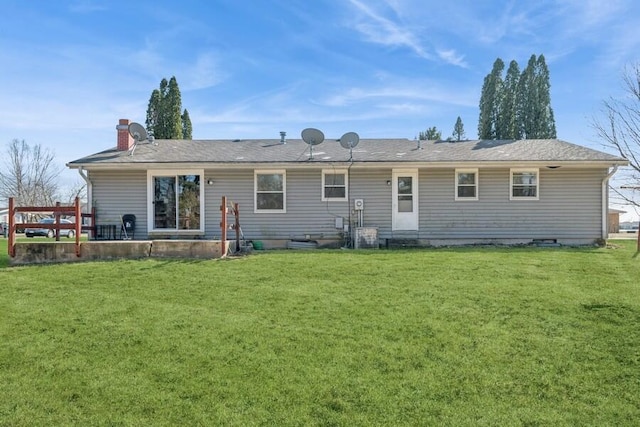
223	223
56	214
78	212
12	229
236	212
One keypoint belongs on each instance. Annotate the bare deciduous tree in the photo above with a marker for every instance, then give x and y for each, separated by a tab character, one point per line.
29	175
619	128
77	189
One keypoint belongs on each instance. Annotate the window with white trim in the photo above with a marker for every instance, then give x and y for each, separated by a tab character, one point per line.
524	184
270	193
334	185
176	200
466	184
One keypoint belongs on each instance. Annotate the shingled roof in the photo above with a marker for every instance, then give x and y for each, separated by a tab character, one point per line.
296	151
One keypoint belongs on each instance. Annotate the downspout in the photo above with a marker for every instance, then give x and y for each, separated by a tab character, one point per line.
605	202
89	189
351	233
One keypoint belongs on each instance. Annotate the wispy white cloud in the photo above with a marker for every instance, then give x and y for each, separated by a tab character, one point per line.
379	29
398	30
404	108
204	73
452	57
403	92
297	106
593	13
607	25
147	58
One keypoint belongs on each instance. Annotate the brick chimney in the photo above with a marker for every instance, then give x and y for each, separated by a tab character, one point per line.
125	140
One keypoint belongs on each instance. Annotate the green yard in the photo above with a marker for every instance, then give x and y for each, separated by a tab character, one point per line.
467	336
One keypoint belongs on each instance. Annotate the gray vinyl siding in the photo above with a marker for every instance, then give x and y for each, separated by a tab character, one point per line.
116	193
306	214
371	186
569	205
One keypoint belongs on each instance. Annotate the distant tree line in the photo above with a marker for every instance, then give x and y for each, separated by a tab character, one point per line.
31	175
434	134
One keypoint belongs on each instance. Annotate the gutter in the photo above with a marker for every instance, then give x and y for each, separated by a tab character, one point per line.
605	202
359	164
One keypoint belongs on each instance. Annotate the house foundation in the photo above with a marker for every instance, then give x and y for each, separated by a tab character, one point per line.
56	252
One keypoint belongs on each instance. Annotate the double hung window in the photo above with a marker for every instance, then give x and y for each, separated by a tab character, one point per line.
524	184
466	184
270	191
334	185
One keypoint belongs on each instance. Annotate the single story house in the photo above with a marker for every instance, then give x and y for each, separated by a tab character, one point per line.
424	192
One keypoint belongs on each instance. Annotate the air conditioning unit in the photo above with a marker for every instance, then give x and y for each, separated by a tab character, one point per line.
366	238
358	204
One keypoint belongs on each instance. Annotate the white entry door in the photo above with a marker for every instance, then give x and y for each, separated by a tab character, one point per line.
405	200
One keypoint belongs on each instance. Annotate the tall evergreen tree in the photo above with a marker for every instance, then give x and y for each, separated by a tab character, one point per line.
547	123
519	106
173	108
186	125
537	121
490	101
528	100
508	123
153	112
458	130
165	119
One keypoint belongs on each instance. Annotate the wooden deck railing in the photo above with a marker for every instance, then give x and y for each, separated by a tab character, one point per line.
57	211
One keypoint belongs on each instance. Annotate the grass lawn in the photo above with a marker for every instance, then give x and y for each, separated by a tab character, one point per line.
466	336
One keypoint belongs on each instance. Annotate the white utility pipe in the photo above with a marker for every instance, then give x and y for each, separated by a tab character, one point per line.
89	189
605	202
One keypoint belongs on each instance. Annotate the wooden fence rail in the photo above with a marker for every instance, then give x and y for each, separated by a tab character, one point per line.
57	211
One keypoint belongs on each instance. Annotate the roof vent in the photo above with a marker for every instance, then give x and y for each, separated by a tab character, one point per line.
283	137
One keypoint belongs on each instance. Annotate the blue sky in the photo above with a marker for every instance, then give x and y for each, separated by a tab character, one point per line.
249	69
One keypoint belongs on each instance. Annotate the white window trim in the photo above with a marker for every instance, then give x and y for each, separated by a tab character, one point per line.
346	185
476	185
174	173
257	172
520	170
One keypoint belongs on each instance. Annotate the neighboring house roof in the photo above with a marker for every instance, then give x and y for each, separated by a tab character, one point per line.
296	151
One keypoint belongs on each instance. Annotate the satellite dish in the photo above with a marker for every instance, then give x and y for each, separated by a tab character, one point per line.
138	132
312	136
349	140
